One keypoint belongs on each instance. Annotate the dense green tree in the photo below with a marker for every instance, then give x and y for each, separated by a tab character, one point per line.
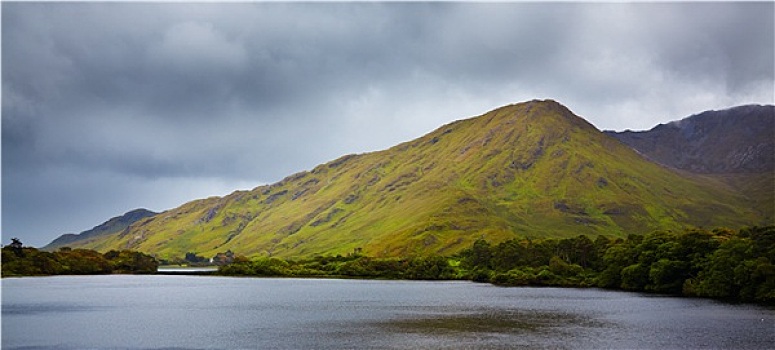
16	247
127	261
583	251
542	252
479	256
763	239
667	276
696	246
82	262
635	277
601	244
270	267
509	255
719	278
558	266
615	258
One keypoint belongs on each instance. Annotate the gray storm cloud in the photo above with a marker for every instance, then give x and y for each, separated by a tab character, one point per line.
111	106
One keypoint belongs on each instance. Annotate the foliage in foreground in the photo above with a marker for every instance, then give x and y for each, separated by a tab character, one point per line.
27	261
719	264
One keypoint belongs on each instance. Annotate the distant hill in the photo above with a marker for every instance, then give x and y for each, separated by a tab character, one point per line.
114	225
531	170
735	146
735	140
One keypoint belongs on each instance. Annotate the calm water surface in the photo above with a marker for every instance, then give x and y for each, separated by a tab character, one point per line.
197	312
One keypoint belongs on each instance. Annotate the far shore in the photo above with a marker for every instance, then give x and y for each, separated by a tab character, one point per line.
186	270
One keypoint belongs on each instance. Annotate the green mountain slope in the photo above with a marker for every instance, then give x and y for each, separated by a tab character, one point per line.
532	169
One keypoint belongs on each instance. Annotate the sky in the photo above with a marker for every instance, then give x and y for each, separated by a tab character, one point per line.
108	107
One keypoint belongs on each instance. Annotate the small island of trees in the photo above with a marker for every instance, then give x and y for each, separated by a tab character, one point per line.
27	261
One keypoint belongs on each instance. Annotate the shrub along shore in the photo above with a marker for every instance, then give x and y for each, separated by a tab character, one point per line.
721	264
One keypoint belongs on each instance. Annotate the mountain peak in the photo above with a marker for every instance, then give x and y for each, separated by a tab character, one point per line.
535	108
543	109
544	116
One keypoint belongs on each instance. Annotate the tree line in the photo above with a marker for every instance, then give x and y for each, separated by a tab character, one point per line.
722	264
28	261
356	266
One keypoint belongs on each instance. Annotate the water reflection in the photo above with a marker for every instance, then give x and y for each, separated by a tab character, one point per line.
43	308
490	329
492	321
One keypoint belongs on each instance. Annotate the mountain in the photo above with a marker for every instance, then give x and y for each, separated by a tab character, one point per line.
735	140
114	225
735	146
531	170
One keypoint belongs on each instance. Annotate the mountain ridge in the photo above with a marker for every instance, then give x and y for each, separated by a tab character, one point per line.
711	142
532	169
112	225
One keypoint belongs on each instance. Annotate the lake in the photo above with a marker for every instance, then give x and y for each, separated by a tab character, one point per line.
204	312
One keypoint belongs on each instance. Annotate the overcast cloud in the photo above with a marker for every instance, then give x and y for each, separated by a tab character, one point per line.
107	107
